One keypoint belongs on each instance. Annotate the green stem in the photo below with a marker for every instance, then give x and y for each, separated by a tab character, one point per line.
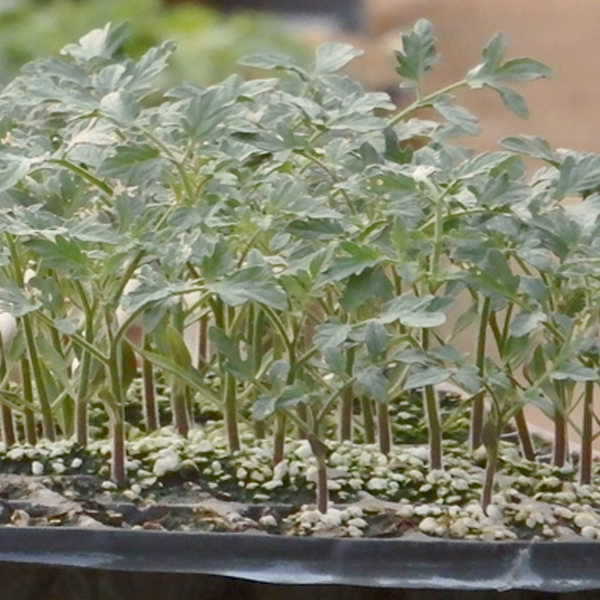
424	102
384	428
229	385
6	415
478	403
181	419
8	427
202	342
368	422
585	467
34	361
118	472
81	408
488	482
183	174
279	438
560	429
67	404
322	490
150	405
347	401
30	428
84	174
256	323
524	436
433	418
38	377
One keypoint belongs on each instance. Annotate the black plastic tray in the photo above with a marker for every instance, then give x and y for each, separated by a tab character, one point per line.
374	563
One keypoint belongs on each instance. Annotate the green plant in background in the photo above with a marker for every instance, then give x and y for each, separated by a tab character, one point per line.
317	257
209	45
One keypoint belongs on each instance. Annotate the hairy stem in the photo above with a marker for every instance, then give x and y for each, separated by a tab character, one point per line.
366	405
559	453
585	466
524	436
347	401
30	428
384	428
434	426
150	405
478	404
279	439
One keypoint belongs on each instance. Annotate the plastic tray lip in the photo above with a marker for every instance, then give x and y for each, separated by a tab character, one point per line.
548	566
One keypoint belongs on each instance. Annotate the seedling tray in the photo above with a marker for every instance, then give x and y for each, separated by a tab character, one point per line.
396	564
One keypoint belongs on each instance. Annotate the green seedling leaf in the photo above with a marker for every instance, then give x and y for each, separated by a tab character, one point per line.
229	349
525	323
133	165
345	266
331	335
535	288
171	343
315	229
254	284
423	320
413	311
333	56
12	169
99	43
492	55
428	376
62	255
491	72
393	152
151	64
263	407
512	100
480	165
374	382
360	289
496	276
467	377
266	405
17	403
531	145
90	230
191	376
411	356
68	325
219	262
204	115
418	54
457	115
575	372
151	292
335	360
376	338
55	363
578	174
14	301
121	106
273	62
522	69
278	373
466	319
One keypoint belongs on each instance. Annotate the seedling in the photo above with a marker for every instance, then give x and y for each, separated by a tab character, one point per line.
319	257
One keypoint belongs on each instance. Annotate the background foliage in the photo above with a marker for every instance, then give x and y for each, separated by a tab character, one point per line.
209	44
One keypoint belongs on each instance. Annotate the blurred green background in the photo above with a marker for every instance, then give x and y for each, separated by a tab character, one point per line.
209	43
